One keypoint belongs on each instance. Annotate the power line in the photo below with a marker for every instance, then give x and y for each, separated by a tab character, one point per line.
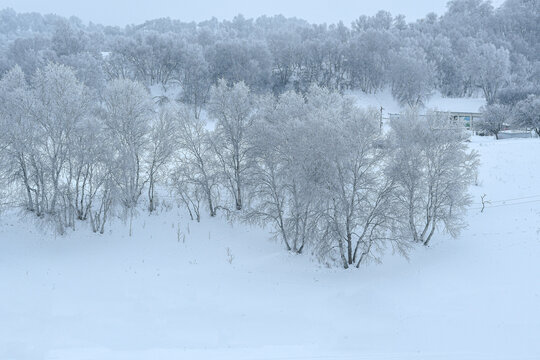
478	206
520	198
487	206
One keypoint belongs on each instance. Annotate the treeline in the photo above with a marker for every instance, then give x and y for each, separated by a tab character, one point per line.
472	48
314	166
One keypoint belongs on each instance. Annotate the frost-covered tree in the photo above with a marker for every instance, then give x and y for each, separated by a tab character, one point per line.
511	95
451	80
322	57
40	124
412	77
61	104
161	149
279	194
116	63
195	176
494	118
321	185
432	170
527	113
284	47
359	210
194	77
67	40
368	59
489	68
57	152
18	134
30	53
89	185
127	112
240	60
87	67
150	57
381	21
348	172
233	109
516	21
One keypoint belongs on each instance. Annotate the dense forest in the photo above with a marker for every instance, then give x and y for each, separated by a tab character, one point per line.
471	48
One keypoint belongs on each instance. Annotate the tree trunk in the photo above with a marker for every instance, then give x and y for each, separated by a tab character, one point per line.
238	194
342	254
30	206
151	206
426	243
211	206
349	249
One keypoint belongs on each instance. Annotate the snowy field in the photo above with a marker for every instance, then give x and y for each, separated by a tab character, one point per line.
182	290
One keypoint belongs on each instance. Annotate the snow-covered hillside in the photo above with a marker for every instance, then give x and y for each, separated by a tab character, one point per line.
177	289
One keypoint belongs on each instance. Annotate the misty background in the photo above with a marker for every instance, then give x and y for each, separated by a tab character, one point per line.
124	12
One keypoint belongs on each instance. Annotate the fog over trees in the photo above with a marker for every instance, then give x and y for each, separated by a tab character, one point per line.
261	129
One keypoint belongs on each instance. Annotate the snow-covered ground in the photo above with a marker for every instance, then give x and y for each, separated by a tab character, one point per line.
181	290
